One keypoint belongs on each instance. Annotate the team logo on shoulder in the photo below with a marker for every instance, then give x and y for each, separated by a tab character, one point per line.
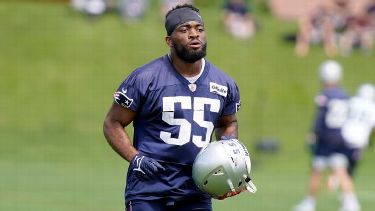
122	99
218	89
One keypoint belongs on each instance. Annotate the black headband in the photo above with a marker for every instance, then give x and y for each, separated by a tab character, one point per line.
180	16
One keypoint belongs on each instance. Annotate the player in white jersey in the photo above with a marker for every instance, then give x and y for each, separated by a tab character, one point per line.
360	122
361	119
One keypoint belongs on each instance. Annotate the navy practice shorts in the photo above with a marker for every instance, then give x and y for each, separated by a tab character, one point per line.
168	205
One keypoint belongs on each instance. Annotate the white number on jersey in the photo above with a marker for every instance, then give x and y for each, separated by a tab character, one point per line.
185	126
336	113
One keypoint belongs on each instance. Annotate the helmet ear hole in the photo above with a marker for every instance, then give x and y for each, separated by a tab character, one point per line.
218	172
205	182
240	183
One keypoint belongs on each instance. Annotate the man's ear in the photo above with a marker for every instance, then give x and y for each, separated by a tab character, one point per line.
168	40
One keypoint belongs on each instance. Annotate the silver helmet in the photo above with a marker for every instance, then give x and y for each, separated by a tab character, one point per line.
223	168
330	71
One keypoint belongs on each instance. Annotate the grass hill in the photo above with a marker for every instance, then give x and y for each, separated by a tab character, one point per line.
58	73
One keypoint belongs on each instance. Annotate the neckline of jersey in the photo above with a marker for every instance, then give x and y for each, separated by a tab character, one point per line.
182	78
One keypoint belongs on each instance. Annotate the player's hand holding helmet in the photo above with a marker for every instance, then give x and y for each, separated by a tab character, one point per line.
222	169
145	168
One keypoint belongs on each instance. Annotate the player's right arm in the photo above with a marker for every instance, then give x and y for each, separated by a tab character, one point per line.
116	120
227	127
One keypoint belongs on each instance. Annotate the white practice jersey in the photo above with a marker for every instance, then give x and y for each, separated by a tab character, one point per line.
360	122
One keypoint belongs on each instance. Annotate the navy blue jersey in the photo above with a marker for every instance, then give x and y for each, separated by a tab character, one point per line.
331	115
174	120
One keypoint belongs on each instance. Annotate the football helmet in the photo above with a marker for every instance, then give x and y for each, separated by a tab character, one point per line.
95	7
330	71
366	91
222	169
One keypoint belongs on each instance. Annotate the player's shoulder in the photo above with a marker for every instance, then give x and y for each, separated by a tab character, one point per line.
335	93
147	73
150	69
328	94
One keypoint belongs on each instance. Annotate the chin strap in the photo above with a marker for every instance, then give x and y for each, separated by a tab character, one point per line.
230	194
249	187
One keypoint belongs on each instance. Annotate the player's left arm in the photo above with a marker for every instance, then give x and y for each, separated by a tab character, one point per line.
227	127
115	121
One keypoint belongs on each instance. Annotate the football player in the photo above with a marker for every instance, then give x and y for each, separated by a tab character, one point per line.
330	148
360	123
175	103
357	129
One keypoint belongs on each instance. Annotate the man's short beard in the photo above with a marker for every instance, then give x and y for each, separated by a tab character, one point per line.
190	56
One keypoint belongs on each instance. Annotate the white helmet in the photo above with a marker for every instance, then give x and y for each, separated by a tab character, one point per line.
95	7
330	71
366	91
223	168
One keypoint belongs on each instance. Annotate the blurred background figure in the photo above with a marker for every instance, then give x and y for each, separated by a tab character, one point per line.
329	150
78	4
360	31
322	25
314	28
132	10
167	5
238	20
357	129
360	123
90	7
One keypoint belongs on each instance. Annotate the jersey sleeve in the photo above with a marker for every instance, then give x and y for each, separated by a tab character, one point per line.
233	103
129	93
320	103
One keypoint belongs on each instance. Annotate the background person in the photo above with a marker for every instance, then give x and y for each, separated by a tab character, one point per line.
357	129
323	25
237	19
90	7
133	10
166	5
360	123
175	103
360	31
330	147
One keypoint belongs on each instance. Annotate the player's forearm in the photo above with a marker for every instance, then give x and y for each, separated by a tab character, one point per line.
119	140
227	131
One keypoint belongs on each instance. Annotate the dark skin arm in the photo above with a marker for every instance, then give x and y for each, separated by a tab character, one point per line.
116	120
227	127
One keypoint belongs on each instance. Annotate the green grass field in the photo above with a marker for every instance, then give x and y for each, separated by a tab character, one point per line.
59	71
